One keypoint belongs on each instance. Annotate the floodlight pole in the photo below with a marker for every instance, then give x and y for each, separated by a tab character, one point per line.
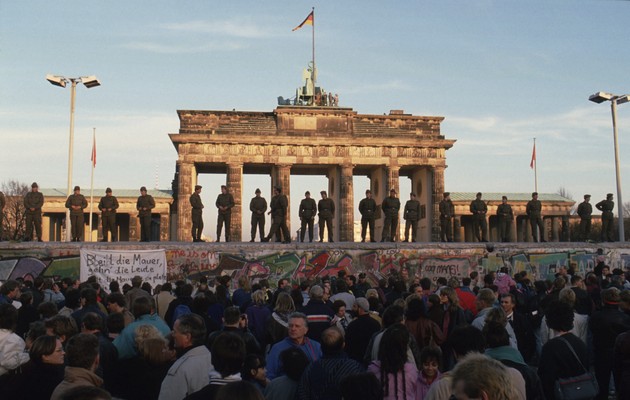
613	107
73	91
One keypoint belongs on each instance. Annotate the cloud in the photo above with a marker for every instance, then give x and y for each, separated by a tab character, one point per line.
175	48
240	28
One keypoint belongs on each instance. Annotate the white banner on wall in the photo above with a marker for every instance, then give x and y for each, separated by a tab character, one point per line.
121	266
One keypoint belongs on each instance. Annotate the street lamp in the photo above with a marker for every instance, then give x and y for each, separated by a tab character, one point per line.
599	98
89	82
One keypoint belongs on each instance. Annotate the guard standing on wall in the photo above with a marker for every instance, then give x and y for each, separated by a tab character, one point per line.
506	215
447	211
534	212
108	206
606	207
326	208
585	211
307	212
258	206
144	205
479	209
2	204
33	202
391	207
411	216
76	202
278	209
367	208
224	203
197	214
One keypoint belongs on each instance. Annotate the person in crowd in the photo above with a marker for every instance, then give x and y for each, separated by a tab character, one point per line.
62	327
191	372
116	303
81	362
605	326
425	332
242	297
580	322
504	281
135	291
321	378
278	324
430	359
341	318
72	302
12	354
143	310
236	323
397	375
364	386
228	358
485	304
285	387
241	390
257	315
318	313
254	371
200	306
298	328
92	323
26	314
360	330
163	299
621	365
525	339
9	291
557	359
343	294
181	305
478	376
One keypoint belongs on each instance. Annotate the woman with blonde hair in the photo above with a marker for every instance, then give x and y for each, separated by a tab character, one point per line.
277	326
257	315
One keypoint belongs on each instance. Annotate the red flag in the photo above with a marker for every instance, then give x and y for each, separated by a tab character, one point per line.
93	158
308	21
531	164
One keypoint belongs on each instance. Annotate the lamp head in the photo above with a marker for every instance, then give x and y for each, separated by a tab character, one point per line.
600	97
623	99
56	80
90	81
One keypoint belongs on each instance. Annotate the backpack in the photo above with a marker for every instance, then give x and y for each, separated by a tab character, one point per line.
179	311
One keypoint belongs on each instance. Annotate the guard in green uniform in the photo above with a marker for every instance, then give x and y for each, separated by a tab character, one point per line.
307	212
326	208
506	216
534	213
196	214
606	207
33	202
108	206
411	216
391	207
144	205
585	211
367	208
258	206
479	209
278	209
3	202
447	211
224	203
76	202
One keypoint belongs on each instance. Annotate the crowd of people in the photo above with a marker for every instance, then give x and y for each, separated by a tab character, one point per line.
495	336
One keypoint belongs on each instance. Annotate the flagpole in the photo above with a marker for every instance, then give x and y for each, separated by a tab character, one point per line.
314	69
92	180
535	169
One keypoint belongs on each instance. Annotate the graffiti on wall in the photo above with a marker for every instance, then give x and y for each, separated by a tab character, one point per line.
191	262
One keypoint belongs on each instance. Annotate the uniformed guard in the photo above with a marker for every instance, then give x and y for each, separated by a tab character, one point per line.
506	216
108	206
76	202
307	212
278	209
411	215
326	208
3	202
534	212
447	211
606	207
479	209
224	203
144	205
585	211
33	202
391	207
367	208
197	214
258	206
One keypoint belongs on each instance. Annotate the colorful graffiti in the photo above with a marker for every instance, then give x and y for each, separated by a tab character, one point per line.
258	262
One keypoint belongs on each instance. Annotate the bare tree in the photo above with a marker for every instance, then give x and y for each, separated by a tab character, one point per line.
562	191
13	217
626	209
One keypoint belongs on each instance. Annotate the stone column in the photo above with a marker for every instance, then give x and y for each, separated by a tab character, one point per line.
46	231
346	205
134	228
234	182
186	183
555	229
437	190
513	230
281	176
458	229
164	227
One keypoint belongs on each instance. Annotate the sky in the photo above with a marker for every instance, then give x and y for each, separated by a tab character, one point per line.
500	72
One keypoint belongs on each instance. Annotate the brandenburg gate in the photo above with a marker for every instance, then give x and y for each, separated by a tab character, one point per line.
313	140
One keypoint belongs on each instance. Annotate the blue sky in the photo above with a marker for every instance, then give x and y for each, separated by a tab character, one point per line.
500	72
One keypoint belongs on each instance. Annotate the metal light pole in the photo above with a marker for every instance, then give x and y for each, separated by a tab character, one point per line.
89	82
599	98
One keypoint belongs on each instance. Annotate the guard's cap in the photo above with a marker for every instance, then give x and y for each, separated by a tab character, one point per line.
323	192
143	189
503	197
77	188
257	190
278	188
478	193
535	194
197	187
446	194
609	196
368	191
392	190
223	187
587	196
412	194
307	193
108	190
34	185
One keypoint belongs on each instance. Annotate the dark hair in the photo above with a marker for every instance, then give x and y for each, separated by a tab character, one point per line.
392	354
89	294
62	326
92	321
8	287
42	346
167	287
117	298
115	322
47	309
241	390
495	334
73	298
294	362
415	309
26	298
141	306
35	330
431	353
195	326
114	287
146	286
466	281
252	361
82	350
425	283
231	315
465	339
337	305
392	315
559	316
228	353
364	386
